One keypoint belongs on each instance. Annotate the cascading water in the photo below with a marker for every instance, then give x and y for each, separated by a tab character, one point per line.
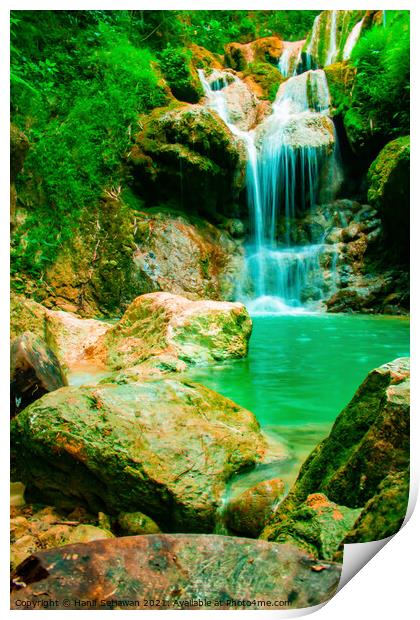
286	156
352	40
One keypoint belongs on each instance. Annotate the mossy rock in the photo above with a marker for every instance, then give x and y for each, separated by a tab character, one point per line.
165	448
389	192
188	154
267	78
317	526
136	524
384	514
368	443
95	274
340	77
161	325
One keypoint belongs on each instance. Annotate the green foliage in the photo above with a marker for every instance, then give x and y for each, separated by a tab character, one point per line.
381	96
214	29
79	118
176	66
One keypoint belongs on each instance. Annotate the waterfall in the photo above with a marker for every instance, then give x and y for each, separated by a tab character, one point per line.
352	40
290	57
313	42
332	49
286	155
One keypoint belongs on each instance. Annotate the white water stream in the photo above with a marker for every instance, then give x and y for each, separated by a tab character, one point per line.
287	153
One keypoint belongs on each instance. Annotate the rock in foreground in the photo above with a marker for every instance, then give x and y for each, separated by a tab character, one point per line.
179	571
34	371
318	526
164	448
159	324
364	461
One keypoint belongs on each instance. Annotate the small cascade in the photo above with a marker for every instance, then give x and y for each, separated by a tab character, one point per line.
290	58
333	36
311	48
352	40
332	49
287	155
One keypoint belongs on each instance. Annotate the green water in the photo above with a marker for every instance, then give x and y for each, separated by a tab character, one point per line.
301	371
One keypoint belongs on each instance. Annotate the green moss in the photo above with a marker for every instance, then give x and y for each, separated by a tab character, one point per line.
266	76
317	526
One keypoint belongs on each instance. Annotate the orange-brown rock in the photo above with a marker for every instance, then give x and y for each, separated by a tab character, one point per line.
239	55
180	571
247	513
157	324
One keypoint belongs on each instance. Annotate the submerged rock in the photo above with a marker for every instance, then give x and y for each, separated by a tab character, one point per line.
368	445
165	448
34	371
164	324
317	526
182	571
247	513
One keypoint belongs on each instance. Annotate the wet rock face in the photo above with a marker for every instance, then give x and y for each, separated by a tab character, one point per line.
317	526
368	444
247	513
170	568
384	513
239	55
188	154
162	324
326	42
388	192
352	274
94	274
165	448
189	257
34	371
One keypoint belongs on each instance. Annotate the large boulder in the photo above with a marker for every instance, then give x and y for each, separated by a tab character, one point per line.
165	448
70	336
188	154
389	192
34	371
368	444
187	256
317	526
180	572
164	324
248	512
